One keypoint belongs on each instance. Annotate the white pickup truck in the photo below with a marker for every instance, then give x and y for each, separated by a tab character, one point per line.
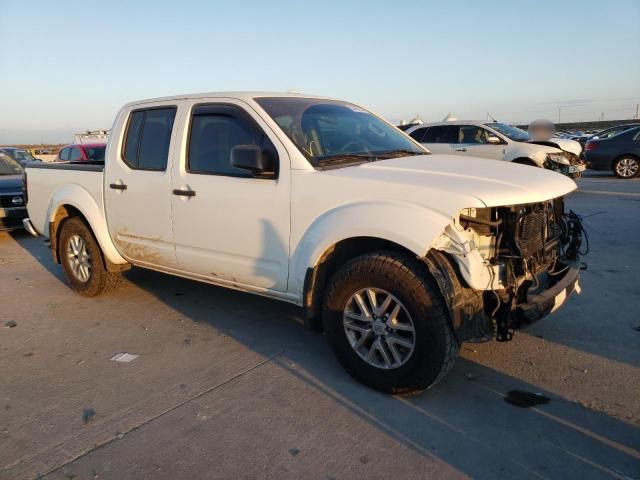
396	254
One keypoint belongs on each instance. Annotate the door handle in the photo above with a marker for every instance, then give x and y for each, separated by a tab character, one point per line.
118	186
460	149
184	193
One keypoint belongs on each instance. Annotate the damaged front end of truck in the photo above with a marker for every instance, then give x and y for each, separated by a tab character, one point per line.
502	268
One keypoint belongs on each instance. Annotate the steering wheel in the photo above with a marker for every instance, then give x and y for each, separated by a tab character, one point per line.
359	147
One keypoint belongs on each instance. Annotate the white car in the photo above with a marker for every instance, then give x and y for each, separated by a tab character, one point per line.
499	141
398	255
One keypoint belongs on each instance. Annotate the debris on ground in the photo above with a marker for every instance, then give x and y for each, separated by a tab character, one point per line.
88	414
124	357
294	451
10	324
522	399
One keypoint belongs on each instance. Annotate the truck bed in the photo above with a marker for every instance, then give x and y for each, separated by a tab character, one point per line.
71	180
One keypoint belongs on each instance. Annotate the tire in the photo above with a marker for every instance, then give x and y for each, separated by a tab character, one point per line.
626	167
82	261
435	347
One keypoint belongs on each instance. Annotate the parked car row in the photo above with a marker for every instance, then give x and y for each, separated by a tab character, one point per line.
616	148
499	141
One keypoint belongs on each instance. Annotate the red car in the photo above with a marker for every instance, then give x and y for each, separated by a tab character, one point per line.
86	152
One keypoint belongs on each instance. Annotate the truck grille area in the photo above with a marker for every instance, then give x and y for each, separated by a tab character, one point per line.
531	232
6	200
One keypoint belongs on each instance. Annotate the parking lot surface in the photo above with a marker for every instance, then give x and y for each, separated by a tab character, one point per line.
230	385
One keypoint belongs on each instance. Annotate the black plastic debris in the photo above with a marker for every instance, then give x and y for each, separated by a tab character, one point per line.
10	323
294	451
88	414
522	399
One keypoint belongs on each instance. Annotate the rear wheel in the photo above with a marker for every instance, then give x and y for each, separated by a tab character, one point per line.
82	261
626	167
387	324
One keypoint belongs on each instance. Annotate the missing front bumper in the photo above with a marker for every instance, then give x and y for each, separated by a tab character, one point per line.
540	305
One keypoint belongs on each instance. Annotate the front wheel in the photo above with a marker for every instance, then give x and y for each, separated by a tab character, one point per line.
626	167
82	261
387	323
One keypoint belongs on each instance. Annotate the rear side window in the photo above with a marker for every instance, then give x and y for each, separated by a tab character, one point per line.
418	134
75	155
64	154
148	136
215	130
441	134
95	154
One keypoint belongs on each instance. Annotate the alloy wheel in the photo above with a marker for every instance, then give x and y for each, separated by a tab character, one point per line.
79	258
379	328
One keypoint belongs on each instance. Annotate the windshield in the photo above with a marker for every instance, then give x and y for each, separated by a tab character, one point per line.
514	133
330	132
21	156
95	154
8	166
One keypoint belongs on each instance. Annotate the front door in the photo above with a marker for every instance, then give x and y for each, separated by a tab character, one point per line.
138	185
473	141
231	226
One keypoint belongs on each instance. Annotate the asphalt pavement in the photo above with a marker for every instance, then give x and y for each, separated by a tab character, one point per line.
221	384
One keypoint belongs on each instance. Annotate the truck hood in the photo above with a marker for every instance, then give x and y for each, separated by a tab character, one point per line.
10	183
565	144
494	183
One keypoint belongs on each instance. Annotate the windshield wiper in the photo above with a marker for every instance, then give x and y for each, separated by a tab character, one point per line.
399	152
346	157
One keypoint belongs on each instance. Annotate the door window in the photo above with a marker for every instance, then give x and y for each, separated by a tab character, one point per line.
64	154
148	137
471	134
418	134
441	134
215	131
75	155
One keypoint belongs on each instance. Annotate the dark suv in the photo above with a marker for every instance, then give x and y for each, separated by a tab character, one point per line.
12	204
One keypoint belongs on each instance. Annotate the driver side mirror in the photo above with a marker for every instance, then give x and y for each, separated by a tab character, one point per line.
253	159
493	140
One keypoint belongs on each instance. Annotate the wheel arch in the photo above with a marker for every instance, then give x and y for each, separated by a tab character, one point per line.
525	161
620	157
345	233
74	201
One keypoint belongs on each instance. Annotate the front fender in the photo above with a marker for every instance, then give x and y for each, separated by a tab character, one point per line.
537	153
410	225
79	198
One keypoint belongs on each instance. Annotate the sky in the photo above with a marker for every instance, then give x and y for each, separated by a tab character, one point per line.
68	66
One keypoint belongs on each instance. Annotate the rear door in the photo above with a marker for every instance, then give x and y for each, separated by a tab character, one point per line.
230	226
440	138
138	184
